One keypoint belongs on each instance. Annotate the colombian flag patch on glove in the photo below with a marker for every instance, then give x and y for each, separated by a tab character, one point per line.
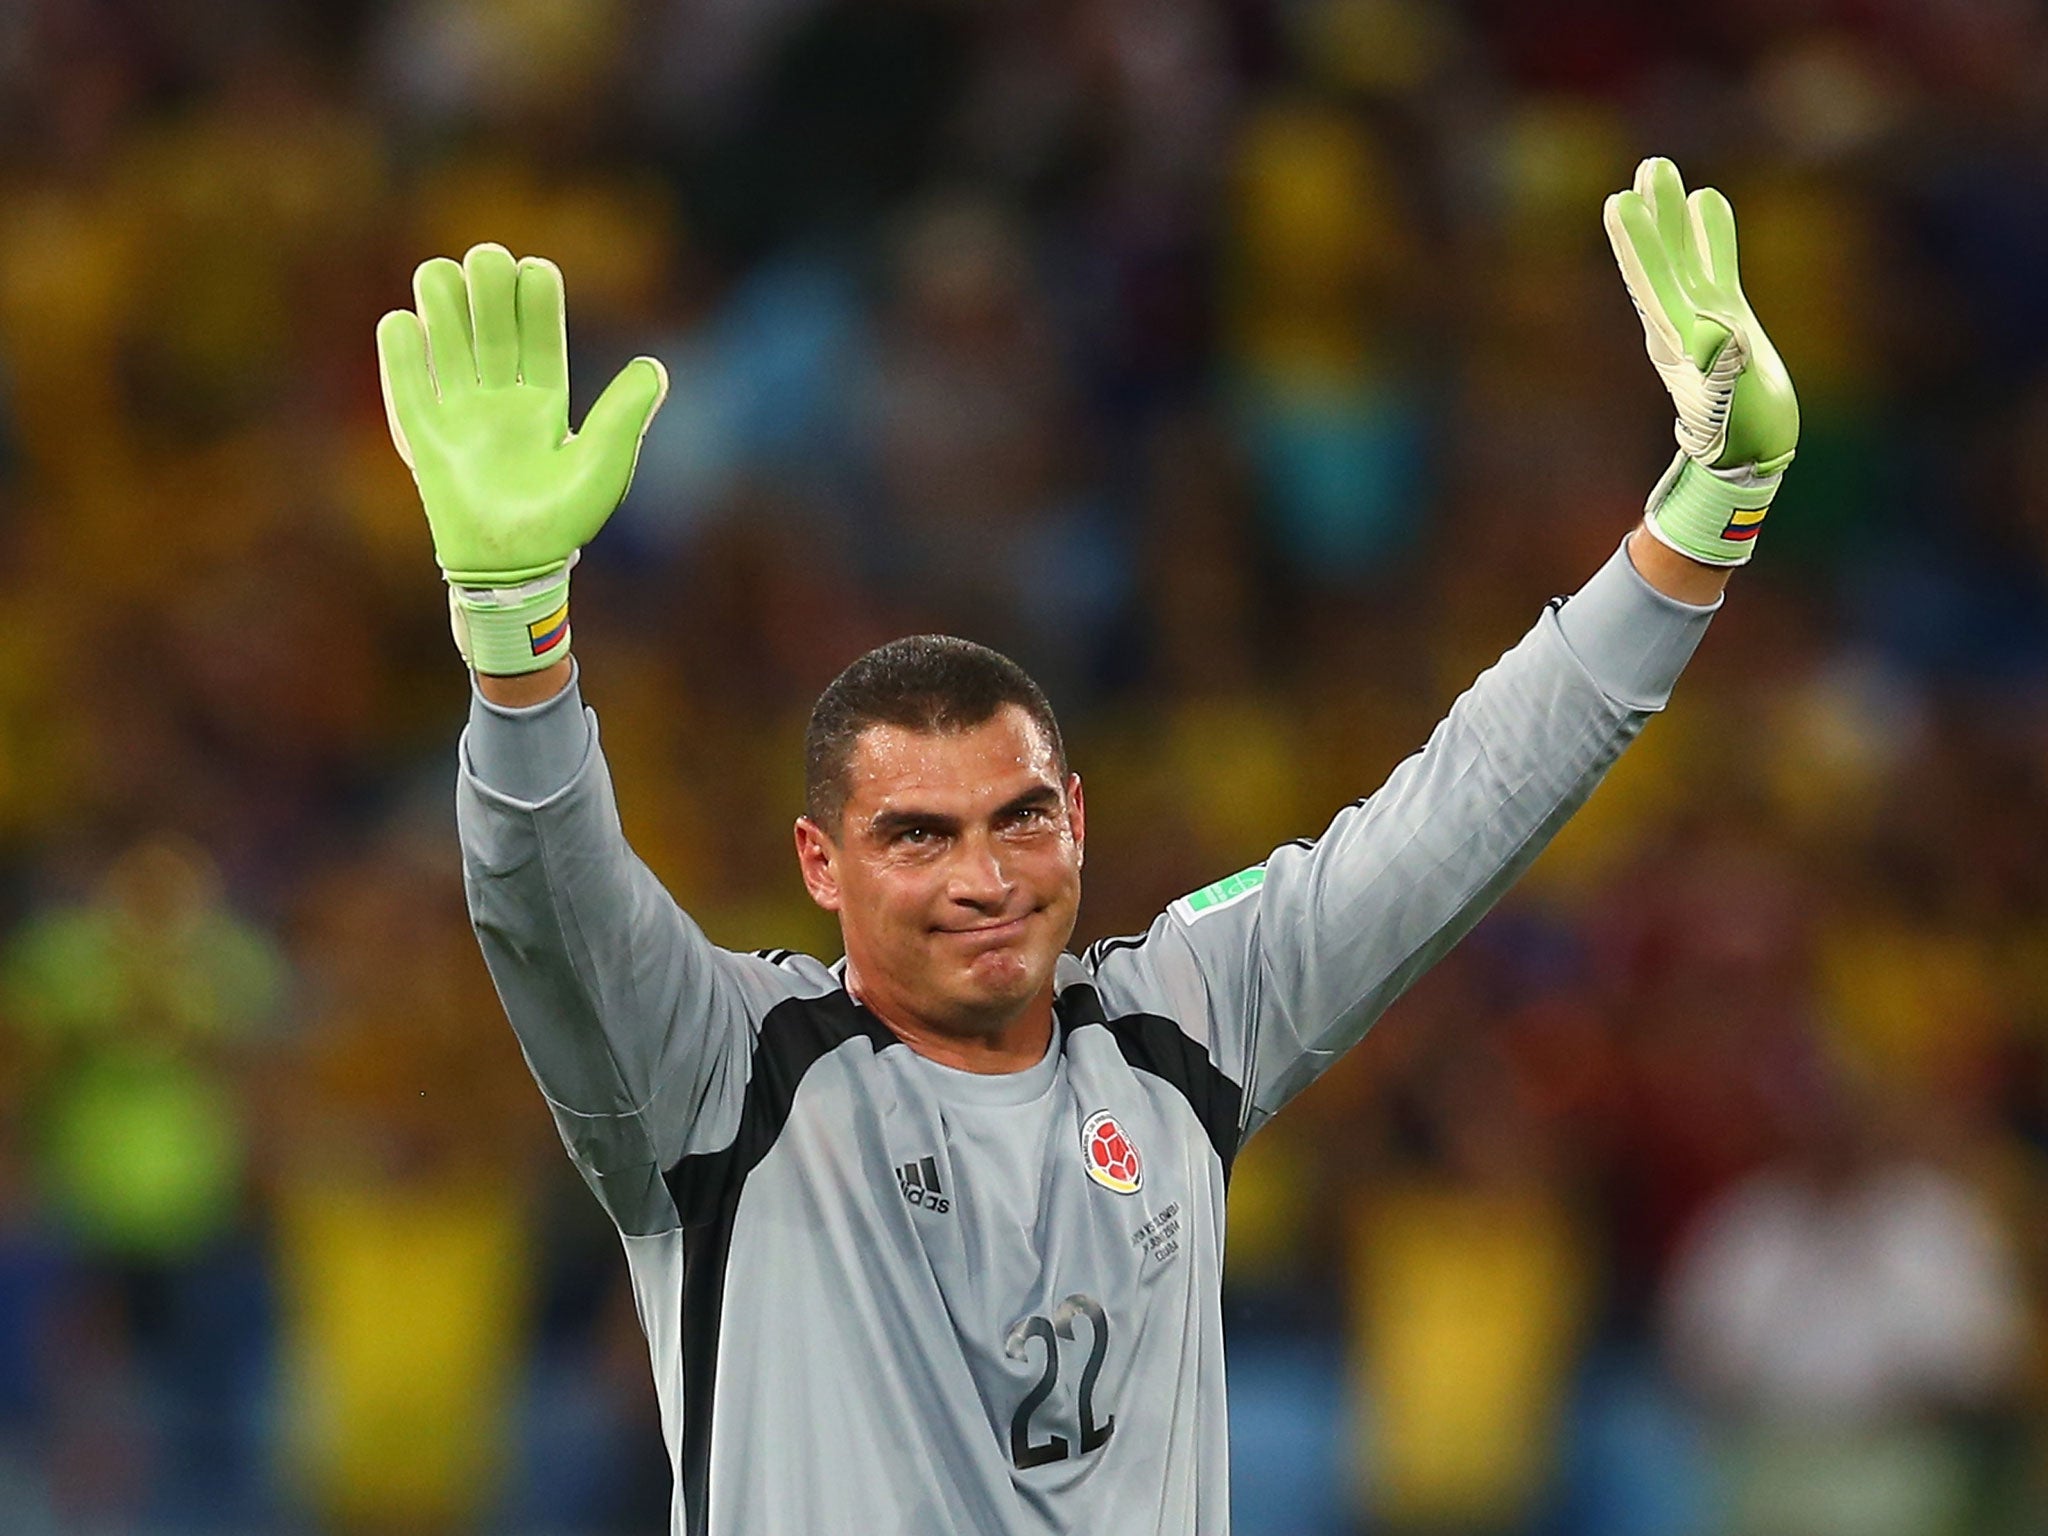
545	634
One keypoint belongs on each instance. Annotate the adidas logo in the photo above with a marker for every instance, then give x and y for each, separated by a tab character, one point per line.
920	1182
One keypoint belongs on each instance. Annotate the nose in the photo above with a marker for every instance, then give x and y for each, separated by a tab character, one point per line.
977	877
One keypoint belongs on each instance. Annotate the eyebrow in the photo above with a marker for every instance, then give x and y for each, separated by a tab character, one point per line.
888	823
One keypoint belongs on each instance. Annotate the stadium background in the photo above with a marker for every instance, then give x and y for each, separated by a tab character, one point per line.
1253	372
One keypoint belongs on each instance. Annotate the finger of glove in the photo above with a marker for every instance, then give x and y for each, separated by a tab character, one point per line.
406	379
1713	227
608	447
1664	190
1659	185
1646	267
622	413
442	299
543	325
492	278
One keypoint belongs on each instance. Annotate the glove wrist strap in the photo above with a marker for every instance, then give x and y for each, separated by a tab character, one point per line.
510	630
1711	515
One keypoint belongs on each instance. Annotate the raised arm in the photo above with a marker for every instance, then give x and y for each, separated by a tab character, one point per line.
1285	966
637	1028
640	1031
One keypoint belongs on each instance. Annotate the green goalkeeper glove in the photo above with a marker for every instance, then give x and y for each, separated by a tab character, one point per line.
476	389
1738	420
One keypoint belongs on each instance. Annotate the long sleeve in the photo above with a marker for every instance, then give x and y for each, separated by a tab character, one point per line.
637	1028
1289	963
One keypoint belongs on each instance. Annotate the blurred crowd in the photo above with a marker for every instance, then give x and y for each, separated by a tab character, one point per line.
1253	371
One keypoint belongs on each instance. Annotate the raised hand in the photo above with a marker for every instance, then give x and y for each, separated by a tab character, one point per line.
476	390
1738	418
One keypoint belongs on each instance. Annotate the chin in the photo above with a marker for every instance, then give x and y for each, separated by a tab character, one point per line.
1002	988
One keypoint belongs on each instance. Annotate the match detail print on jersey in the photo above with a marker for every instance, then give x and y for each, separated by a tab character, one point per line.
1112	1160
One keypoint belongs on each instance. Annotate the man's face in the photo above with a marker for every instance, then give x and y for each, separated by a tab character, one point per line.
955	871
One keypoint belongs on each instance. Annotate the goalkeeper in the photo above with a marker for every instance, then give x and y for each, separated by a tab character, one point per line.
929	1240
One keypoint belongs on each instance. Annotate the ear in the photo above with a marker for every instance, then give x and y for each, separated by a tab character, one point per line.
818	860
1077	817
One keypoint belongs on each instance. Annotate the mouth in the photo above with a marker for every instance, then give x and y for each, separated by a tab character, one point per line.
990	933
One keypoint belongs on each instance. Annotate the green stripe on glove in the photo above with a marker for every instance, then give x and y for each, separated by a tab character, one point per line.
1738	419
476	392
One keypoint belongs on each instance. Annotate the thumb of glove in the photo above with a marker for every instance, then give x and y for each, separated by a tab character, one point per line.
608	447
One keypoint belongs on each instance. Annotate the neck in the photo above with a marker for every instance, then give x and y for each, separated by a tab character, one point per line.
1011	1045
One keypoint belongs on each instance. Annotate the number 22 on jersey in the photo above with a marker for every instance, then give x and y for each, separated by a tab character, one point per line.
1049	1331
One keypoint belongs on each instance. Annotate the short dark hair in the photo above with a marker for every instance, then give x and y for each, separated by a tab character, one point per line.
927	683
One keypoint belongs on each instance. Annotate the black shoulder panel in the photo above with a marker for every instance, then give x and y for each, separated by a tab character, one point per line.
706	1189
1160	1046
796	1033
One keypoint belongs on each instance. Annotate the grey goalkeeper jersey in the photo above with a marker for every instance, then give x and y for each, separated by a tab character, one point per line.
883	1296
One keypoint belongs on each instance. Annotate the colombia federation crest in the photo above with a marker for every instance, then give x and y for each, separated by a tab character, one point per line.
1111	1158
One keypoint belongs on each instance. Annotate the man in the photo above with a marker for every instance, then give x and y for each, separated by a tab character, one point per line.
930	1240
